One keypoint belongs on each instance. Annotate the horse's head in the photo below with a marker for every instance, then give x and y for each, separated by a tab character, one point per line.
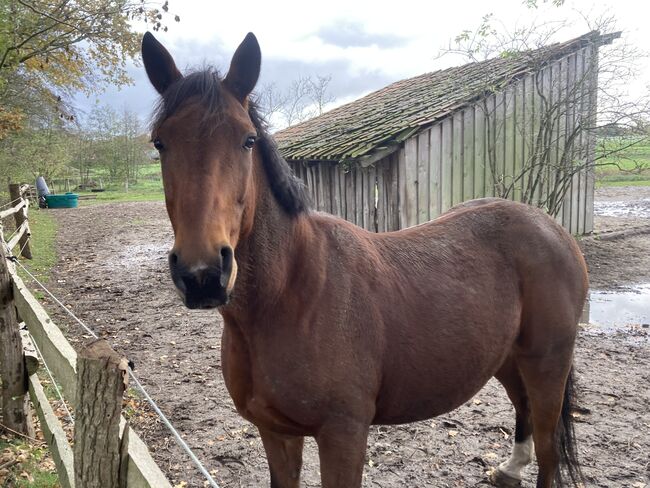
205	138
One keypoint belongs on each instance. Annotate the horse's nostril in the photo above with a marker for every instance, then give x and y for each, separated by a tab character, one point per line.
226	252
226	260
173	258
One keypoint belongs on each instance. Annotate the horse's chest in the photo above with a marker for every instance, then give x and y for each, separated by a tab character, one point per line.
257	396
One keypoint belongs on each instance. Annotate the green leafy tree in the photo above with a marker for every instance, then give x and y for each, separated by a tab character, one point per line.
50	49
35	151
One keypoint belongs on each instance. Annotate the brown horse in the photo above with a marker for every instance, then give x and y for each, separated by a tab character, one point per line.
330	328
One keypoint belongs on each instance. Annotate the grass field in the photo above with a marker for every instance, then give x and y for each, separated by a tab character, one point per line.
133	195
631	166
42	243
148	188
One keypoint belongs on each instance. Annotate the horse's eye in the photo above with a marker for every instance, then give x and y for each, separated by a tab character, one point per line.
157	143
249	142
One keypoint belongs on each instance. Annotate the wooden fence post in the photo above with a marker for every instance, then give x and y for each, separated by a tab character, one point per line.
102	377
20	217
16	413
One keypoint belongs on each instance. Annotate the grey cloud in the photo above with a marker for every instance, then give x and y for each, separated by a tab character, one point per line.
353	34
282	72
141	96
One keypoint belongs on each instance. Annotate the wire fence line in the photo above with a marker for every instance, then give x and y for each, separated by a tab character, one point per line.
177	437
11	203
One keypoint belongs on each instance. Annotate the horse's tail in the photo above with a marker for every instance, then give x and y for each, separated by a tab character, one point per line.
567	440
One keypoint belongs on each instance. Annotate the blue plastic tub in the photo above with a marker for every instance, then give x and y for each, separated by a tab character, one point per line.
69	200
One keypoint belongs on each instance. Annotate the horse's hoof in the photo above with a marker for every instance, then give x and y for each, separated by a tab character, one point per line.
503	480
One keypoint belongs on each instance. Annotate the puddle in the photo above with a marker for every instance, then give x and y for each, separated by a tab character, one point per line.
627	309
632	208
143	253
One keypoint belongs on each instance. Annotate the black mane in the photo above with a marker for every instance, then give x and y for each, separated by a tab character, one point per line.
205	85
288	189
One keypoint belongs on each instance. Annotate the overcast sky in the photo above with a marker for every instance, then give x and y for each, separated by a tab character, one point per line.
363	45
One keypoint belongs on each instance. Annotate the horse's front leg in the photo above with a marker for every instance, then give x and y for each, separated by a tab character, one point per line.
342	449
284	455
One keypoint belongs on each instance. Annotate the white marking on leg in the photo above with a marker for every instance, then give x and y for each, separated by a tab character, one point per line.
522	454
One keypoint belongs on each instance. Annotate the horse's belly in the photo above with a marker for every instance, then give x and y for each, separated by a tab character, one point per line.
422	405
429	380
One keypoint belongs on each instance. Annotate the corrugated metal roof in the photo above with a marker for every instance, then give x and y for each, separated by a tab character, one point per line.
394	113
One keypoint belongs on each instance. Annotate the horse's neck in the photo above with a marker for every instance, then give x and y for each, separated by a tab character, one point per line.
266	256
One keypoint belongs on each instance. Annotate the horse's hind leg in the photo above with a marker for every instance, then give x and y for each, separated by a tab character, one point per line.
545	379
509	472
284	455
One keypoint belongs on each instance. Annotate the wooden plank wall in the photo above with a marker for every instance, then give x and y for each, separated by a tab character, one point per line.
472	153
351	193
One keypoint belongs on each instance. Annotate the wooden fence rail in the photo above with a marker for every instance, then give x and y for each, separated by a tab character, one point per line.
106	453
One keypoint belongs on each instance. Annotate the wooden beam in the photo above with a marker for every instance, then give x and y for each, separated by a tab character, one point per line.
410	188
56	350
423	176
435	171
377	155
17	191
52	433
142	471
10	211
18	236
29	351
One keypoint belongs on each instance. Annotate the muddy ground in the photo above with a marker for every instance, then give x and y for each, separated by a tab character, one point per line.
112	272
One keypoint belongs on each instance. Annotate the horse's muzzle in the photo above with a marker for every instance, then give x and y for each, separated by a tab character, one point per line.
204	286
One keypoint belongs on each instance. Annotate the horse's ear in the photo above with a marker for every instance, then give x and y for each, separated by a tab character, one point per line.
244	68
158	63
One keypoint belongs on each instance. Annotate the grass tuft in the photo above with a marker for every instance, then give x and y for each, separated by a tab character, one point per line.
35	468
42	242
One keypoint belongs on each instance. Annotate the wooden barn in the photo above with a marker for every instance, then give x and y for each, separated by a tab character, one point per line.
518	126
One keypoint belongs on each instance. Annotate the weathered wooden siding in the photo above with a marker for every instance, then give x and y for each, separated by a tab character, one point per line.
352	194
484	149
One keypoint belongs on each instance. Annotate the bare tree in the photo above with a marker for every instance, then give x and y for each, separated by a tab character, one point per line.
270	101
563	93
297	105
305	98
319	93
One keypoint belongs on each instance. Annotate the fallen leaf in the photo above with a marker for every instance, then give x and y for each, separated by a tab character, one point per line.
490	456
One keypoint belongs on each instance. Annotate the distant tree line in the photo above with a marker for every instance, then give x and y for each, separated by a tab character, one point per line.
109	146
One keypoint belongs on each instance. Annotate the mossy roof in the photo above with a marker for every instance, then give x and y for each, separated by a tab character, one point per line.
396	112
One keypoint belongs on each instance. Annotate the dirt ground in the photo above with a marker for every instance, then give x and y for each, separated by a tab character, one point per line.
113	273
